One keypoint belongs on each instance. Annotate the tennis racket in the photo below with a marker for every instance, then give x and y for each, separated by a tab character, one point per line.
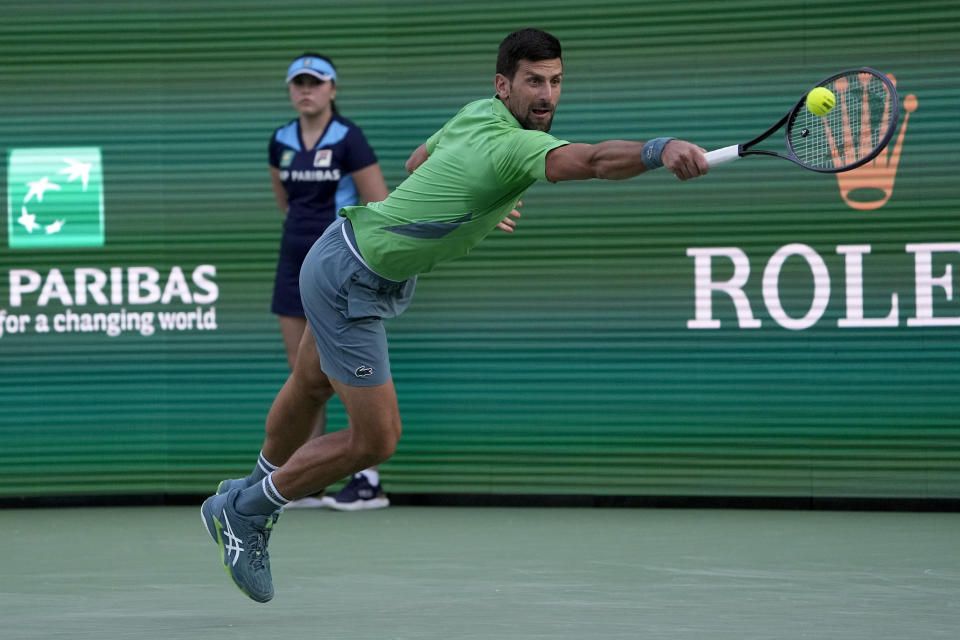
851	134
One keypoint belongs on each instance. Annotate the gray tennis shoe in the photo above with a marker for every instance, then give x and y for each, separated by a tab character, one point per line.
233	483
243	544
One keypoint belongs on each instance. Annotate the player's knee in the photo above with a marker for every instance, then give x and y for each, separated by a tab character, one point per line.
376	446
381	450
321	390
313	382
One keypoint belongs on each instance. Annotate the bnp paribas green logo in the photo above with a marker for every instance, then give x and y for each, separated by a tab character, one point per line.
55	198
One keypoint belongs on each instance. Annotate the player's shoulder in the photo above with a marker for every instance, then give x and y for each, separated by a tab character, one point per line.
483	118
347	122
343	129
484	108
287	134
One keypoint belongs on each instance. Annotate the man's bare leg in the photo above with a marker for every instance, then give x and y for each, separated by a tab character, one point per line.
293	415
292	329
371	438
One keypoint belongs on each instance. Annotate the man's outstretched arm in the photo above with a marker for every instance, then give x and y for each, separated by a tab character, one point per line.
622	159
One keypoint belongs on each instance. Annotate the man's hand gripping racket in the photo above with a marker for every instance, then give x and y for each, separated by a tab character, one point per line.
849	133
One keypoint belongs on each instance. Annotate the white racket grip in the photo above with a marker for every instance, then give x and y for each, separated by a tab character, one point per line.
726	154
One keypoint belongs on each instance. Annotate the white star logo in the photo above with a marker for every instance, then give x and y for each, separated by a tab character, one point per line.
28	220
54	227
39	187
77	169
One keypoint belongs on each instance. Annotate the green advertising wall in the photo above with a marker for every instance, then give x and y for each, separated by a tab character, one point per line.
762	331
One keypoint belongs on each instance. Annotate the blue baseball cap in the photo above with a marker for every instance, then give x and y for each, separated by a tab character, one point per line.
312	66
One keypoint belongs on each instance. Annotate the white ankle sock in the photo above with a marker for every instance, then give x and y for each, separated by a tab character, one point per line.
372	476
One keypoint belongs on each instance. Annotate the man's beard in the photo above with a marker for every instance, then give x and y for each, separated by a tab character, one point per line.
534	123
537	124
529	121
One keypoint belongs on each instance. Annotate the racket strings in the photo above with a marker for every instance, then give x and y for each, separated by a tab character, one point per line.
851	131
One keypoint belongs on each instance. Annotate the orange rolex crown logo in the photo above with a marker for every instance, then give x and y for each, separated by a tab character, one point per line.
880	173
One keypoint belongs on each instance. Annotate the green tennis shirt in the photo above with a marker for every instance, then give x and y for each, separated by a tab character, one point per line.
480	164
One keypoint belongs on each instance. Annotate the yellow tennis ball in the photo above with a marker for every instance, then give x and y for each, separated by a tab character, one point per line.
820	101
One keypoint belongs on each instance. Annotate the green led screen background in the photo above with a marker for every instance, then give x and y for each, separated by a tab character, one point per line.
557	360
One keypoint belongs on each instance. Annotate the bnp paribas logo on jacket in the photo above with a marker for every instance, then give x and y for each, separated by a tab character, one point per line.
55	198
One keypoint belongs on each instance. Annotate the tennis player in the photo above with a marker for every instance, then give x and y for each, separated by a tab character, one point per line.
467	179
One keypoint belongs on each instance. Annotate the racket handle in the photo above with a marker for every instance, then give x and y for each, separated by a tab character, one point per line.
726	154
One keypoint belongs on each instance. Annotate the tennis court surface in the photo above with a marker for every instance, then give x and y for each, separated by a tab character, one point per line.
491	573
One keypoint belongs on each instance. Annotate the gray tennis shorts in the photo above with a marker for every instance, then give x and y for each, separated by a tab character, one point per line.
345	303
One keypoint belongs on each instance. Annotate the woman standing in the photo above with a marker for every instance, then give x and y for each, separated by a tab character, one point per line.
319	162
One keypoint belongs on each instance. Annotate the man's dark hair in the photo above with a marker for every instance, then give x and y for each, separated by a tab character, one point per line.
526	44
